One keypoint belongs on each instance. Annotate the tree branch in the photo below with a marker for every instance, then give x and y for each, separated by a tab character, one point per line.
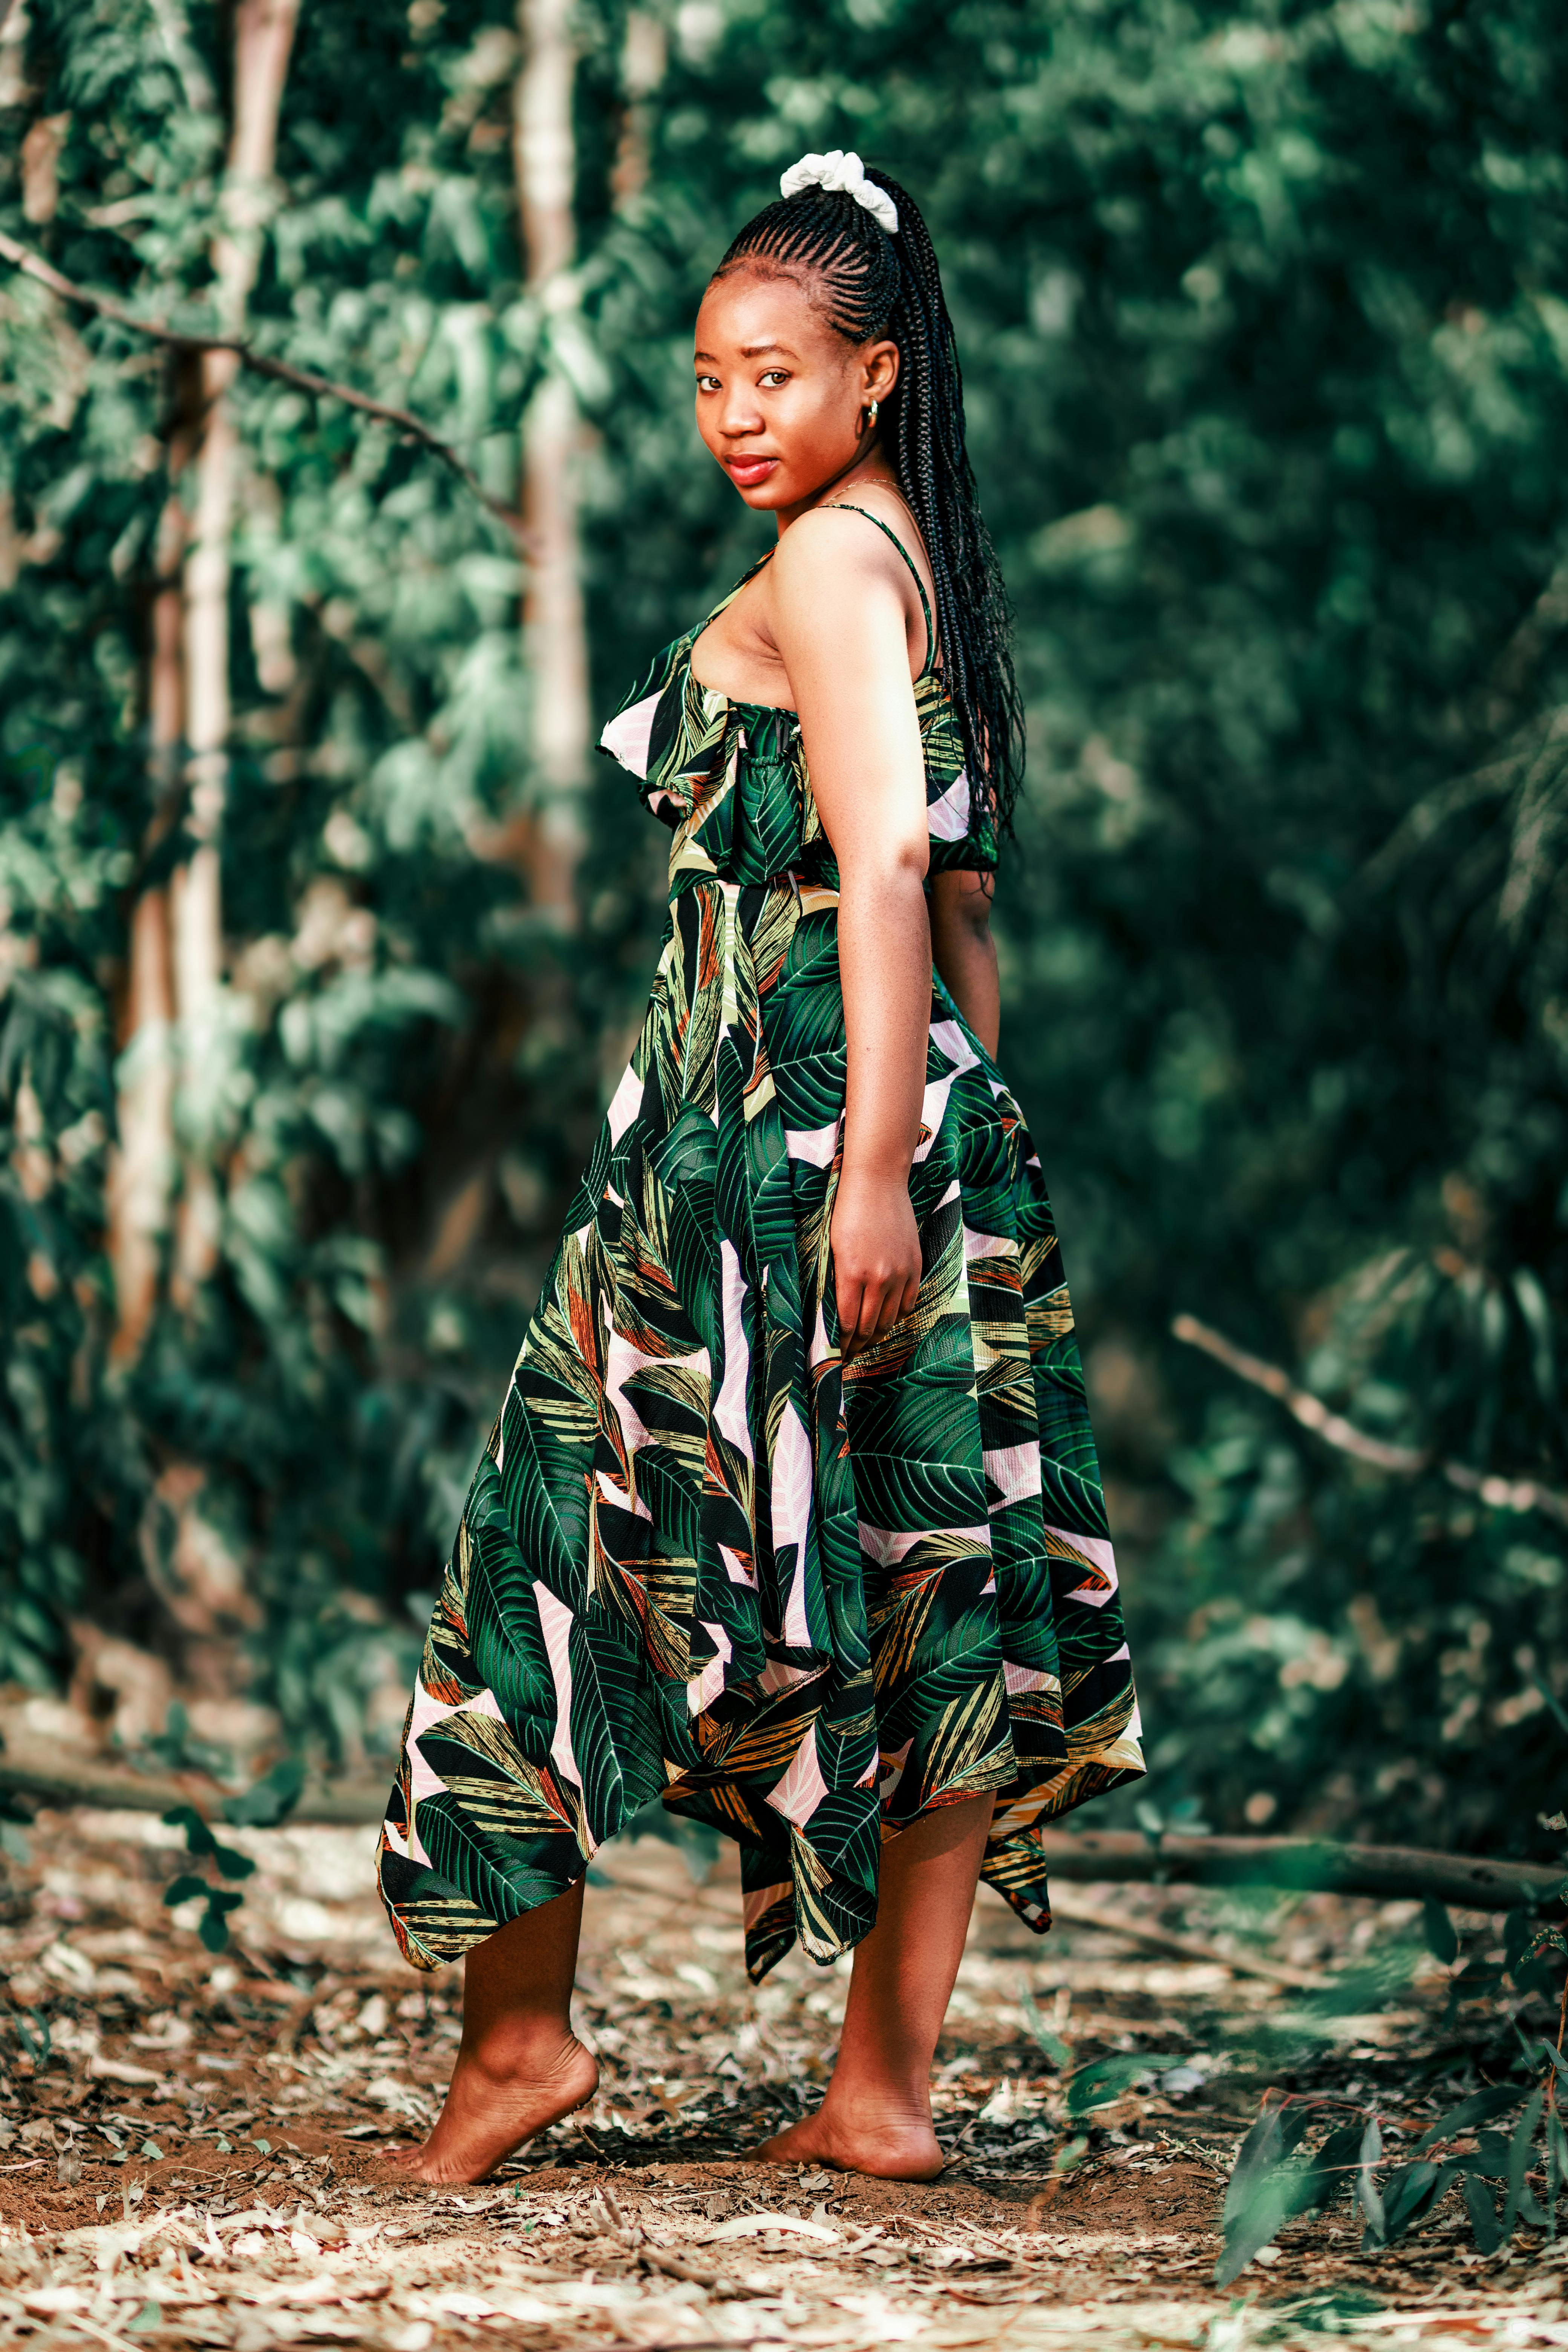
1401	1461
321	387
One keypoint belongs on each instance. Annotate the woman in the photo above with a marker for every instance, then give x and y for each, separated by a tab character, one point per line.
791	1515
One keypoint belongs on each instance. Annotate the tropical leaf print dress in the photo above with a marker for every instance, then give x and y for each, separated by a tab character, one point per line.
704	1559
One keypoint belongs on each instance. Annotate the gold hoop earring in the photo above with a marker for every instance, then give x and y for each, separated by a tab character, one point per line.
872	411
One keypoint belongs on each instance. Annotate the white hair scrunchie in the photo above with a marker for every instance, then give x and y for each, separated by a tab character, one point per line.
842	174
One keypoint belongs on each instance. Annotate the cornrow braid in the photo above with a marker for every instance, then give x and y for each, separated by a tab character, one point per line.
878	285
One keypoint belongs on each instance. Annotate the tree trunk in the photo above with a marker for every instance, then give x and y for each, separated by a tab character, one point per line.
263	38
644	56
555	648
141	1167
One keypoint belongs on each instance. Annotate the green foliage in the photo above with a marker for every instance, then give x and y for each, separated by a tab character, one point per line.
1098	2085
269	1799
1275	2179
200	1841
33	2033
219	1901
1263	315
1438	1929
1262	2193
1055	2047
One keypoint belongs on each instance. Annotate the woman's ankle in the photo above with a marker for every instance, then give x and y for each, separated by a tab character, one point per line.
529	2049
893	2100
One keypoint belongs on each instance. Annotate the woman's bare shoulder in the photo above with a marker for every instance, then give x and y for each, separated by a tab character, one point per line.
839	545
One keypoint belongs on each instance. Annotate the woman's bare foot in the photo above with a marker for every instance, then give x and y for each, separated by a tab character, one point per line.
888	2141
502	2091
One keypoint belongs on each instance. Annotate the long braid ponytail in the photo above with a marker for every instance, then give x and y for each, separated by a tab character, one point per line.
880	284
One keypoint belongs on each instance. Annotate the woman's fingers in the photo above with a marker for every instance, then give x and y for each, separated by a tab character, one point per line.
899	1295
890	1307
868	1310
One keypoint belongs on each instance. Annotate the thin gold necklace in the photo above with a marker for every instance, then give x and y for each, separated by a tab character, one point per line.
878	482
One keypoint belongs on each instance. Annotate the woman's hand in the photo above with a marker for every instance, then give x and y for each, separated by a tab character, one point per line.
876	1257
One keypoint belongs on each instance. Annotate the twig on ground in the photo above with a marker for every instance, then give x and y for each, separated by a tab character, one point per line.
993	2245
1400	1461
1186	1947
321	387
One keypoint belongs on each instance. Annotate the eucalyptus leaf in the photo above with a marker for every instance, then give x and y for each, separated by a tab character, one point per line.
1556	2167
33	2032
1257	2156
1409	2193
1478	2108
1098	2085
1051	2043
1485	2227
1442	1941
1520	2204
1272	2204
1554	2057
1368	2195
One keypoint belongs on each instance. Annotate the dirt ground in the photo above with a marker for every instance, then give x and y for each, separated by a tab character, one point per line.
191	2148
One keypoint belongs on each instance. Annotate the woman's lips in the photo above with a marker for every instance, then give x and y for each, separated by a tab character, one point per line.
747	472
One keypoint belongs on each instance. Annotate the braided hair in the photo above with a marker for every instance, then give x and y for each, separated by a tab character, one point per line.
875	284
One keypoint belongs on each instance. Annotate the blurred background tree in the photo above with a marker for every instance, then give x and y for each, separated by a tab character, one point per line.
324	937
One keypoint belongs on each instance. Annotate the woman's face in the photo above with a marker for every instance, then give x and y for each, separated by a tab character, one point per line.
781	399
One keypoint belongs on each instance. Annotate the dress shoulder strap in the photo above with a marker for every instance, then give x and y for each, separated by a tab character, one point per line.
847	506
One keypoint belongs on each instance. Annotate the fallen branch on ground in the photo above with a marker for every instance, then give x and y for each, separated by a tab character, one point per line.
1315	1866
51	1775
1304	1865
319	387
1399	1461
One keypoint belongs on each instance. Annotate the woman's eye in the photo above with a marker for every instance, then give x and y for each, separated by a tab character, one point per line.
774	375
707	384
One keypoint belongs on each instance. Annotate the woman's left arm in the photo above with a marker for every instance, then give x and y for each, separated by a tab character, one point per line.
841	625
964	951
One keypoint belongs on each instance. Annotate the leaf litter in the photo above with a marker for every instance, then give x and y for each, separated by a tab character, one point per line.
192	2149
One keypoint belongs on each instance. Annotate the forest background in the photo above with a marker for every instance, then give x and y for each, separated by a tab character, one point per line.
323	935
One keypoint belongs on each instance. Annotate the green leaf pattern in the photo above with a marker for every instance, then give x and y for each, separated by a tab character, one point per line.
701	1559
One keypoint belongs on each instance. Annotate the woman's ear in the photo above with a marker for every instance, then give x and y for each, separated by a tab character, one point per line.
882	367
